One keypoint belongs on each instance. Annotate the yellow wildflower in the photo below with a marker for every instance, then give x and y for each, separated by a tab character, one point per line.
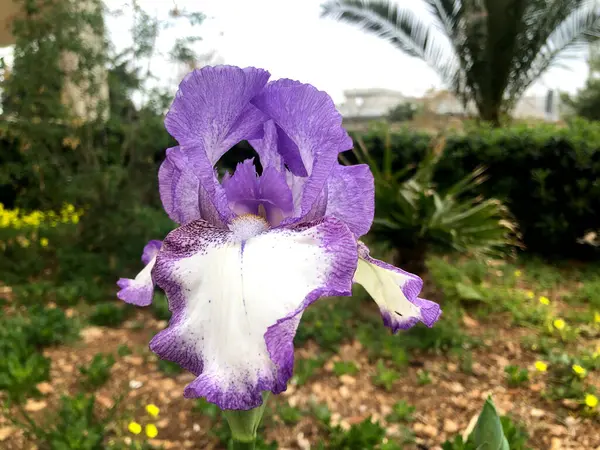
134	427
151	431
152	409
44	242
597	317
579	370
530	294
544	300
75	219
559	324
518	273
541	366
591	400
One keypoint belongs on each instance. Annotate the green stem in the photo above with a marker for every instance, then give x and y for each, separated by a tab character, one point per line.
239	445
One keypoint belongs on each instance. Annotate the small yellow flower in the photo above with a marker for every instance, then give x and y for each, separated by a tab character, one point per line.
134	427
75	219
544	300
44	242
591	400
559	324
541	366
530	294
151	431
518	273
579	370
152	409
597	317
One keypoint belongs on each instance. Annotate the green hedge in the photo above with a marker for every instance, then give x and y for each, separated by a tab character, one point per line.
549	176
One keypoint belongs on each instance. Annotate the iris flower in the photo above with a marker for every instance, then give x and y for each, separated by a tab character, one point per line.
256	248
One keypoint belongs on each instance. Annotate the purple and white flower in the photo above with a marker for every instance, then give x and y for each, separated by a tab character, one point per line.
254	251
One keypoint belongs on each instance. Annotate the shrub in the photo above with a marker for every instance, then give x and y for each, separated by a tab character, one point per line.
547	175
413	214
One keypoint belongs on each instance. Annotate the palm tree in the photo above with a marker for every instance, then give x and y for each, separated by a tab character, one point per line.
488	52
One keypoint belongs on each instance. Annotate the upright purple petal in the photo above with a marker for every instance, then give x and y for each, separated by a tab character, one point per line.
237	297
183	197
247	192
267	147
212	111
210	114
351	197
395	291
310	134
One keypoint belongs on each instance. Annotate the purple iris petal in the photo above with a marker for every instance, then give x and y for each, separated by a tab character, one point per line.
351	197
267	147
211	113
396	292
247	193
183	197
139	290
237	299
150	250
310	129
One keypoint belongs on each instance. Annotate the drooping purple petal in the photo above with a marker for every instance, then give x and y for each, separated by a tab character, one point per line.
150	250
140	290
310	134
183	197
395	291
237	297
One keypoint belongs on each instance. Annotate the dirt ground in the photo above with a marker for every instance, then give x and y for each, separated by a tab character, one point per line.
444	407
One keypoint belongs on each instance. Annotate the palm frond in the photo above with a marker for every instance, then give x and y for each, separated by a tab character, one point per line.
402	27
565	28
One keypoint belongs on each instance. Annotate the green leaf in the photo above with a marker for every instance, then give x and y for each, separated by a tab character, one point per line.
467	292
488	433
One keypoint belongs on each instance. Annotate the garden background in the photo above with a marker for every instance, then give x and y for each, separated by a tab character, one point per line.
500	217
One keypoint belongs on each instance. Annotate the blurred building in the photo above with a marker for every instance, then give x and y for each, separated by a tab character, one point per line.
369	104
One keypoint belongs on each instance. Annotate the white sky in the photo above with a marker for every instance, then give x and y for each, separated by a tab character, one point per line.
288	38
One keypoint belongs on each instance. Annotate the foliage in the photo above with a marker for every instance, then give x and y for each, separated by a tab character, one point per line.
109	314
413	214
403	112
491	431
22	365
516	376
97	373
546	175
401	412
76	426
366	434
345	368
169	367
289	414
586	103
385	377
487	53
305	368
